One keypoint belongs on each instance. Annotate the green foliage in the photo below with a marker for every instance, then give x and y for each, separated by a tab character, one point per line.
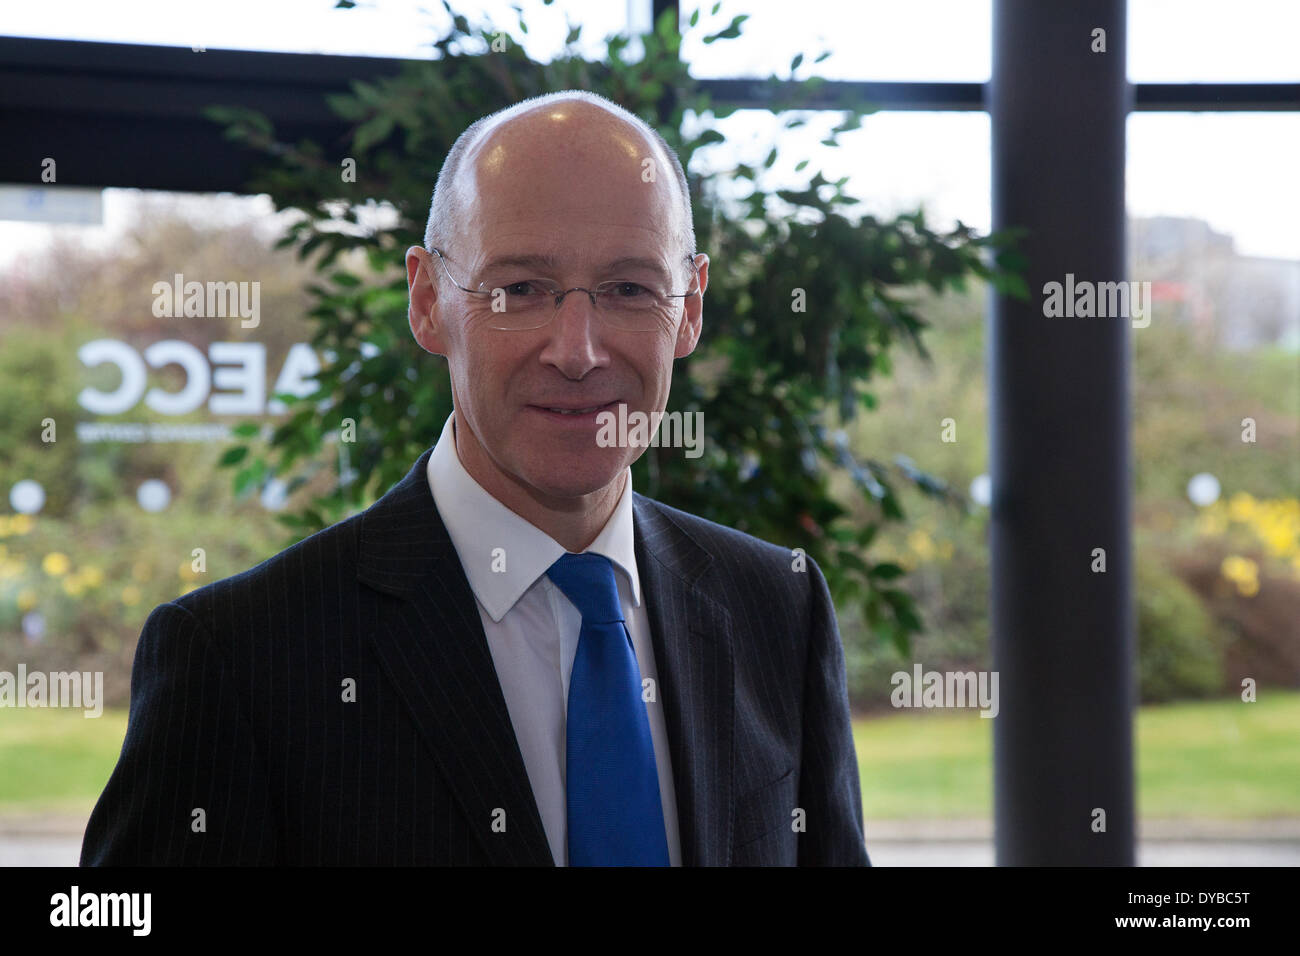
39	385
1178	656
1187	412
1175	372
776	386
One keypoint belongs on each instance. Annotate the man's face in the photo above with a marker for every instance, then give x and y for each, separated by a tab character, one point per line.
564	181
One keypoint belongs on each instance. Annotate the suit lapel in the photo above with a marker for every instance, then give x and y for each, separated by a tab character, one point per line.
691	634
431	644
432	647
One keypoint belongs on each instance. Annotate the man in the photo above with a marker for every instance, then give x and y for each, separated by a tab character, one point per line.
510	658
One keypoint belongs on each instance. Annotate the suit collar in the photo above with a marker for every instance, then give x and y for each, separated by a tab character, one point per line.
402	538
432	647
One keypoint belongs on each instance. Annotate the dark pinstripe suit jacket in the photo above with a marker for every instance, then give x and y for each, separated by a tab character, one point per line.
241	747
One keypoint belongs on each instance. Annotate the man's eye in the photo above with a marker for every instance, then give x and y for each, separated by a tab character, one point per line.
526	287
628	290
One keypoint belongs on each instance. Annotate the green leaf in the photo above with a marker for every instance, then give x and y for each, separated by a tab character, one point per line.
247	478
372	131
908	617
886	572
233	456
1012	260
238	117
902	644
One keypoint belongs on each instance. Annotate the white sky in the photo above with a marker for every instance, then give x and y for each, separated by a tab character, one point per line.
1235	170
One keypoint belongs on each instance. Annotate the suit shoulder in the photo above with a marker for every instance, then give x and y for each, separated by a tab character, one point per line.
724	543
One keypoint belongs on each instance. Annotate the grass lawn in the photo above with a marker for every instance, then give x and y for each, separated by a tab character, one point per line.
1220	759
56	760
1217	759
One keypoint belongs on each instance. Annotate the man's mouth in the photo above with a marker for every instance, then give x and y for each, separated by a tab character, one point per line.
574	411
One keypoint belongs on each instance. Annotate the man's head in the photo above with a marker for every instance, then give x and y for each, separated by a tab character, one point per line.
573	177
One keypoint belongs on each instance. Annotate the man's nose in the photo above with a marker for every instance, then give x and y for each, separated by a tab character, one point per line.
574	333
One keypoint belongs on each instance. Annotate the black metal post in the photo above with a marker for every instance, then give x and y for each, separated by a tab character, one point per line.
1060	458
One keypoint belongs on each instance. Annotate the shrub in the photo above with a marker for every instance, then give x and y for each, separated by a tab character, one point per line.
1178	653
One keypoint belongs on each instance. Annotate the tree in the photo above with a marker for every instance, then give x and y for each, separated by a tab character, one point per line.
804	311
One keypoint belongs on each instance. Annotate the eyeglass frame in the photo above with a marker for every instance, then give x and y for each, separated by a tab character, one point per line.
559	296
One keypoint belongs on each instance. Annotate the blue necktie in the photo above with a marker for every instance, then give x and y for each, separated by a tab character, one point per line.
615	815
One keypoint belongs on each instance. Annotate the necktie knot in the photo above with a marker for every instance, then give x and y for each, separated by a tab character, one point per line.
587	580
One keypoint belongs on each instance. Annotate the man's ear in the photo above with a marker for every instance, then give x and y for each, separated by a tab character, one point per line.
423	311
688	333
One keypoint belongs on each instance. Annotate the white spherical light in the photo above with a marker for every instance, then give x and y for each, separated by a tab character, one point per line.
1203	489
153	495
27	497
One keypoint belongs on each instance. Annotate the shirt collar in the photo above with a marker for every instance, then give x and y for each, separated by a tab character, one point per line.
479	524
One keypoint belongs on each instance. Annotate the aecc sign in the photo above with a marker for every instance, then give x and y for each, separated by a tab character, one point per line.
237	368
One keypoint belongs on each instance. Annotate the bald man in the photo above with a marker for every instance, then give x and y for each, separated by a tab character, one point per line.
511	657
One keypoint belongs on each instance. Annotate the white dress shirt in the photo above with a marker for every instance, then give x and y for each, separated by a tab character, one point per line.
532	628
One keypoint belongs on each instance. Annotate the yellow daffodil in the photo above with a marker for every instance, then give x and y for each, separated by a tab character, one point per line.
1241	507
